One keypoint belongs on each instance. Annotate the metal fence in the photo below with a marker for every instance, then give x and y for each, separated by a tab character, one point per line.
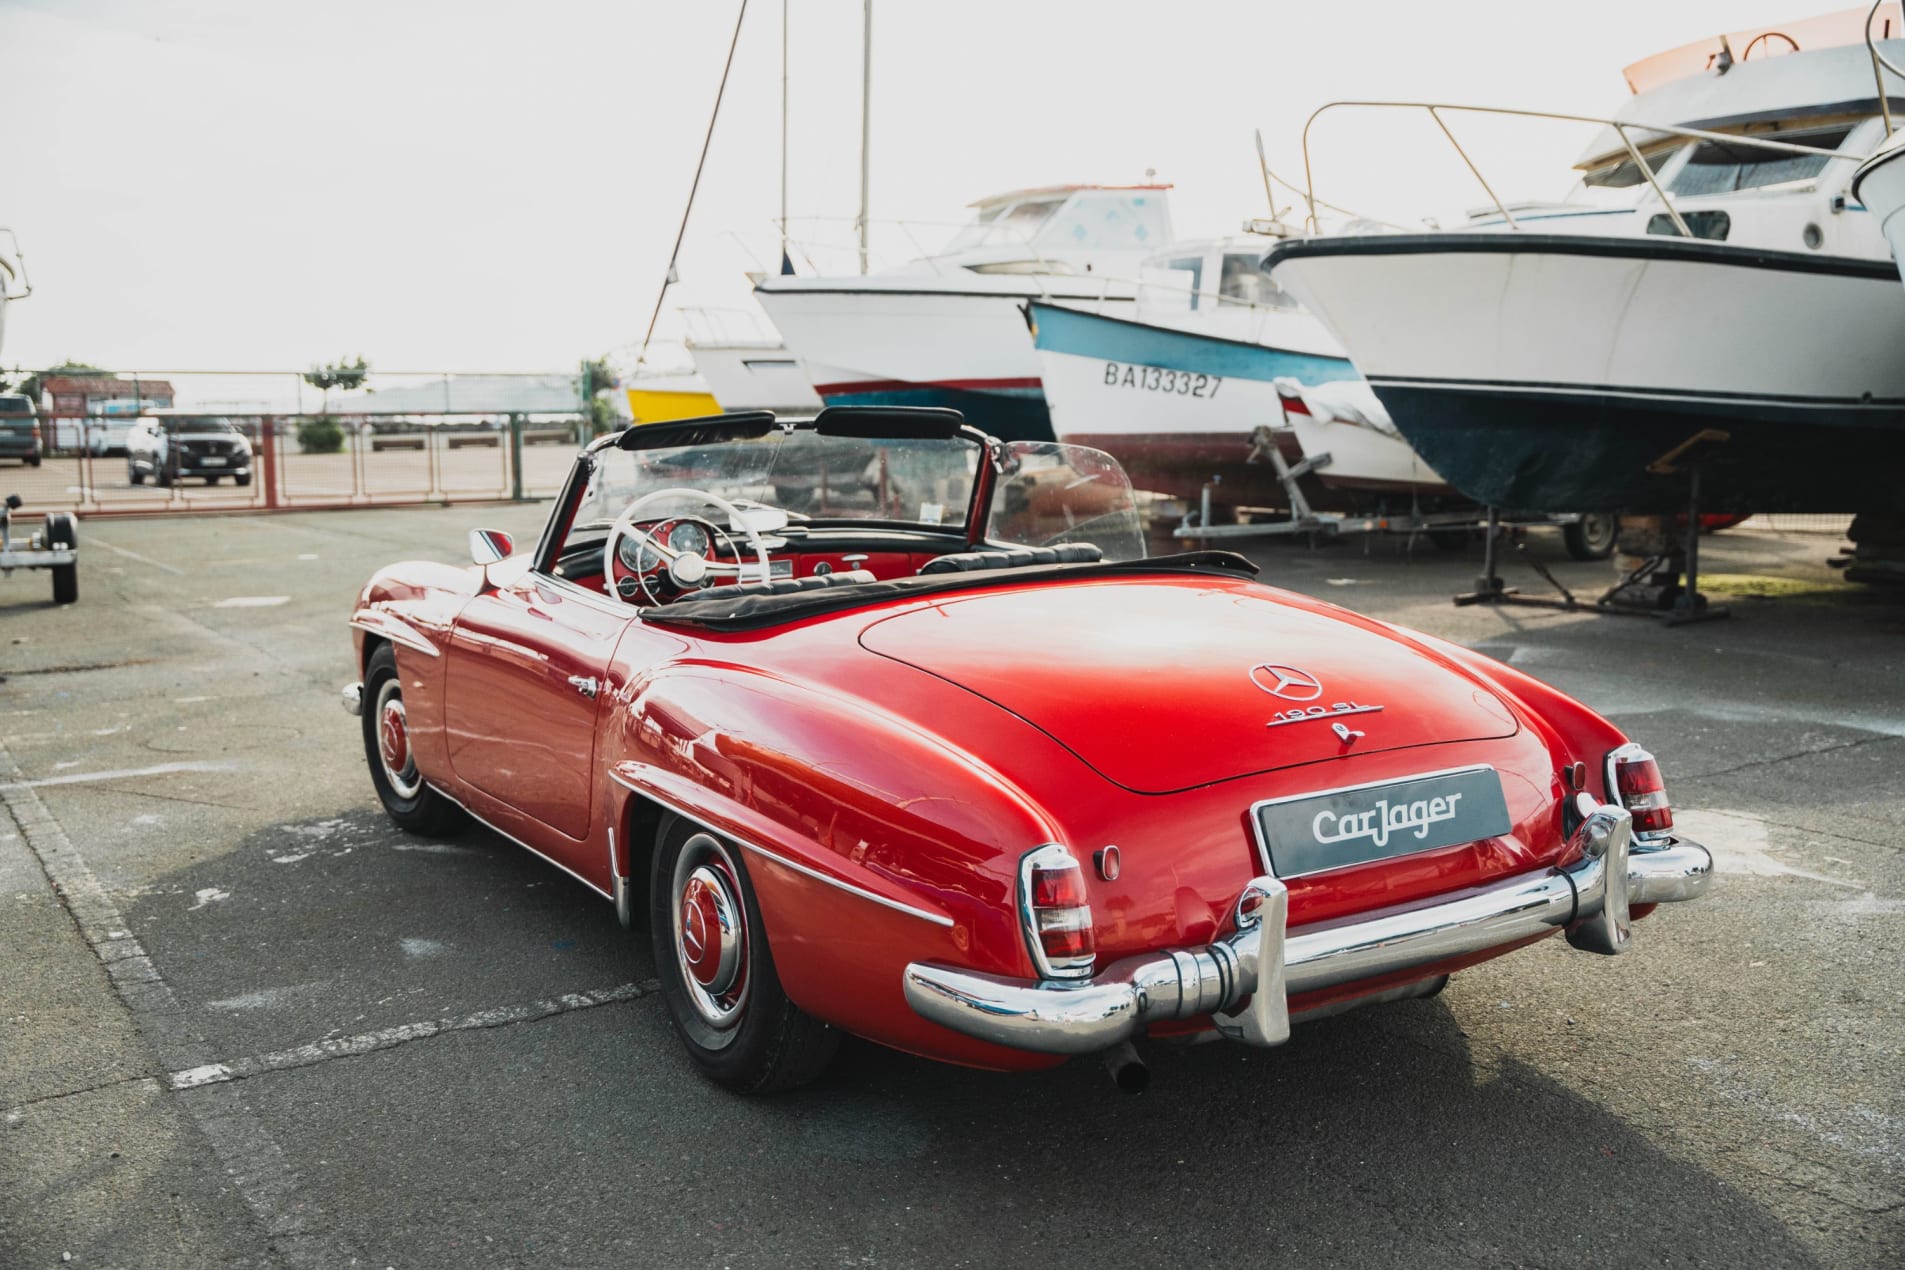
396	438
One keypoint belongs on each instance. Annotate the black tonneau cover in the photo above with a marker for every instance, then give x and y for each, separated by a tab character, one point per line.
740	609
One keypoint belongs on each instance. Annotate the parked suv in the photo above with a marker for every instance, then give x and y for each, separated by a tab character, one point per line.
168	450
19	429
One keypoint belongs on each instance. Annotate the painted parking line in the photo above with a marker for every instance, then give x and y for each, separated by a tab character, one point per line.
96	541
260	1173
402	1034
124	773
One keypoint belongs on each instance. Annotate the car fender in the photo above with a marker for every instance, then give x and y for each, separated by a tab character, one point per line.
870	842
412	607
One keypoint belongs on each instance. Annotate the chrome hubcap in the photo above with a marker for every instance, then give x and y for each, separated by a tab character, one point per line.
710	929
393	742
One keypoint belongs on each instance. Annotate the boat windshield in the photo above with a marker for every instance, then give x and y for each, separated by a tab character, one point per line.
1719	167
808	476
1005	225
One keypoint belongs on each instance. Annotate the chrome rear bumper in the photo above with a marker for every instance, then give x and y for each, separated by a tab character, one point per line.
1244	980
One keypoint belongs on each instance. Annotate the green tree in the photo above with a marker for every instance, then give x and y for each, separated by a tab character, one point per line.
339	374
598	383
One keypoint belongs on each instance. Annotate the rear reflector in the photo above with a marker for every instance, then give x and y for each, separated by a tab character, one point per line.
1057	913
1637	783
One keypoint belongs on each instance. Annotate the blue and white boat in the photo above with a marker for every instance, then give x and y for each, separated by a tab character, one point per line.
1178	389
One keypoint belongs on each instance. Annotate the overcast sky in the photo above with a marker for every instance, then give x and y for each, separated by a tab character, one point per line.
467	185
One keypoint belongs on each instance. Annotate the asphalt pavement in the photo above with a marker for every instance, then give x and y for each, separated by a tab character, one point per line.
244	1021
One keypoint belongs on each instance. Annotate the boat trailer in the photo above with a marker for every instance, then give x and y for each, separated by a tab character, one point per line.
1303	519
55	547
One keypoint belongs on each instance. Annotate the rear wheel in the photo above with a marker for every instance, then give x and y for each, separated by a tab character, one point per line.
717	973
63	531
393	763
1592	536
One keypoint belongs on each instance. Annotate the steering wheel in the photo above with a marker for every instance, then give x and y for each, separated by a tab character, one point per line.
684	570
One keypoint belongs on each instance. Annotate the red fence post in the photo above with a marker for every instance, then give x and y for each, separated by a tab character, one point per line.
268	459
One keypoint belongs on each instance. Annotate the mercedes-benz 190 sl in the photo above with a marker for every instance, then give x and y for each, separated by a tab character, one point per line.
879	725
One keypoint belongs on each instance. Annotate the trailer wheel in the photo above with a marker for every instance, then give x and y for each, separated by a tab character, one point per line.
1592	536
61	531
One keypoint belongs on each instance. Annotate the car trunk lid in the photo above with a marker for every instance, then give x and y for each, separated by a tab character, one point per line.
1167	685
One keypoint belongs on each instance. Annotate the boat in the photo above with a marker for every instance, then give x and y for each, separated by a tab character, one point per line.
948	329
1726	327
1178	389
13	279
754	375
1345	420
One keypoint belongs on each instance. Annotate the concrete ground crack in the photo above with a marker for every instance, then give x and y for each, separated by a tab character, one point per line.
1786	758
12	1109
402	1034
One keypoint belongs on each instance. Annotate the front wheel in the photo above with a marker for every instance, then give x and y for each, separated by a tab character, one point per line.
133	475
1592	536
717	973
393	763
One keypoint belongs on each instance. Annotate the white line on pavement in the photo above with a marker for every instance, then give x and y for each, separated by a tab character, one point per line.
402	1034
252	1158
133	555
124	773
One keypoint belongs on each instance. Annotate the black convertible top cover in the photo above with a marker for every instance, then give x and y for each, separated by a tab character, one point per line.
745	609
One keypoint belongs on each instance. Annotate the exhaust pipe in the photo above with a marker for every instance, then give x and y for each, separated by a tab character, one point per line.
1128	1071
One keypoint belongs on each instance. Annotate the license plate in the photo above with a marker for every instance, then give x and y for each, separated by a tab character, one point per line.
1309	833
213	460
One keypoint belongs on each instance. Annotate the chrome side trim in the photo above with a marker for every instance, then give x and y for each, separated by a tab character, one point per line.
938	919
479	819
393	629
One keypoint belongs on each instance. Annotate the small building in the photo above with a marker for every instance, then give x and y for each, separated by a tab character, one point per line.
96	410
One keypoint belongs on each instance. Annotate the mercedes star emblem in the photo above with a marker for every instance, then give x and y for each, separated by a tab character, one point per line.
1287	682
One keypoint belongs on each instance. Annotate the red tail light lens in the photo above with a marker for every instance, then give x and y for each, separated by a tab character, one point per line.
1636	781
1057	913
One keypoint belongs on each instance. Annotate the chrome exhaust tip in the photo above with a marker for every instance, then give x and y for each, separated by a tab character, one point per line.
1128	1071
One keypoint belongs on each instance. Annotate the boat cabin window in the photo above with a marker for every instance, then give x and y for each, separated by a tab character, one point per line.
1192	265
1719	167
1242	281
1626	173
1005	224
1109	220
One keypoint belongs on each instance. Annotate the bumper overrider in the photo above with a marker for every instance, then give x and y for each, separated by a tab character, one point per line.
1244	980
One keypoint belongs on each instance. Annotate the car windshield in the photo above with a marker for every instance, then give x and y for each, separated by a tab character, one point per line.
1045	494
902	482
218	426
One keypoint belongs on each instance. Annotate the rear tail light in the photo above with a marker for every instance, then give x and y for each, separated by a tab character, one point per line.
1634	778
1057	913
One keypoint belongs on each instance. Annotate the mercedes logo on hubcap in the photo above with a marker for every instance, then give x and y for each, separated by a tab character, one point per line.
1287	682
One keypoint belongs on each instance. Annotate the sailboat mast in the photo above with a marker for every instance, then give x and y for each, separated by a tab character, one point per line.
866	126
784	4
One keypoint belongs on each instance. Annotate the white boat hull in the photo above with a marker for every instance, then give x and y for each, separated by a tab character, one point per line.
755	377
1550	372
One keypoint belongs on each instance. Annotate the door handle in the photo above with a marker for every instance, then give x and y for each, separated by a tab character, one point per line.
585	684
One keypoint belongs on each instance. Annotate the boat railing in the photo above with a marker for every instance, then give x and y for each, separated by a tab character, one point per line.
1880	64
13	270
1622	128
939	261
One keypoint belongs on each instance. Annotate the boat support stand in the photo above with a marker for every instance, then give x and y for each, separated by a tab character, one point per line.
1653	589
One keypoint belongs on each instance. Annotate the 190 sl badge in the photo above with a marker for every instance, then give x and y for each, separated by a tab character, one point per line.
1300	685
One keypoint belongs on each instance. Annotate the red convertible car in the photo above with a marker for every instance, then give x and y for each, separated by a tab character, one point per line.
880	725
